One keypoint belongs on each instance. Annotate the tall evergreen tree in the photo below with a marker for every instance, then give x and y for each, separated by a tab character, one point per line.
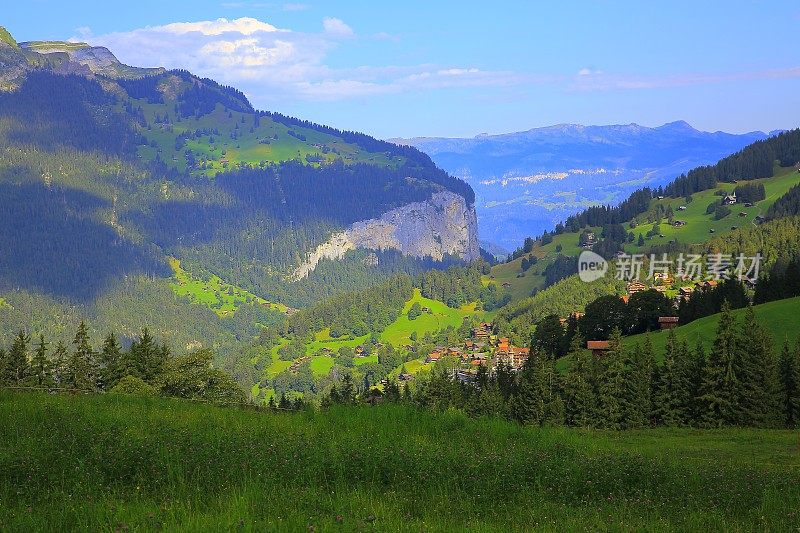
528	403
638	384
580	399
682	394
82	364
790	378
718	391
17	367
664	410
111	363
611	384
59	364
757	373
40	365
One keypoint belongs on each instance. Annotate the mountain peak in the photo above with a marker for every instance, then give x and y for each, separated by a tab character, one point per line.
678	125
7	38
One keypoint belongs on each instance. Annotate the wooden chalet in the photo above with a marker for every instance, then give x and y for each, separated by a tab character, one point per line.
635	286
597	347
667	322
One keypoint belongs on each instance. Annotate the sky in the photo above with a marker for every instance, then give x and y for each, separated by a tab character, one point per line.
462	68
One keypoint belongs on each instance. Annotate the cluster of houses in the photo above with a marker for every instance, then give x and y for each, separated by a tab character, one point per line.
483	348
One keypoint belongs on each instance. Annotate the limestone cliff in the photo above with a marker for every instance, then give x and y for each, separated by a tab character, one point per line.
444	224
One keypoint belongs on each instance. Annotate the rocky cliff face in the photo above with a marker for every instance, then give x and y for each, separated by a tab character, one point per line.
444	224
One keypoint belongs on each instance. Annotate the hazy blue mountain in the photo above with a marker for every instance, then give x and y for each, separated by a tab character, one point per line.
526	182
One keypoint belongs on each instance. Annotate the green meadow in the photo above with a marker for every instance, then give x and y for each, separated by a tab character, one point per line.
269	142
222	298
781	318
114	462
437	317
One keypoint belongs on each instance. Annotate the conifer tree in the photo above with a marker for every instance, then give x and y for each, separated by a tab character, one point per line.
528	402
718	391
40	365
683	384
579	395
82	368
664	410
638	384
111	365
611	384
59	363
3	362
757	373
17	367
790	378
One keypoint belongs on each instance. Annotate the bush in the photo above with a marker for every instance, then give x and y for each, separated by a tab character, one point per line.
133	385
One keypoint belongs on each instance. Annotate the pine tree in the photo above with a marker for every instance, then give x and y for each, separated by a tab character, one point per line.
790	378
757	373
611	386
579	394
59	364
111	366
683	384
528	402
637	403
718	391
664	410
82	367
40	365
17	367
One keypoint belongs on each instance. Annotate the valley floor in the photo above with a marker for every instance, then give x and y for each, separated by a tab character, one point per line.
123	463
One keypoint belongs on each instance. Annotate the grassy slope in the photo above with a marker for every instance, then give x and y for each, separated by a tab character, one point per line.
699	224
398	333
222	298
781	318
114	462
696	231
247	148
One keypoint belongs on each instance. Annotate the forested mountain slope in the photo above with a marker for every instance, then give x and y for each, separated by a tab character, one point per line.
108	170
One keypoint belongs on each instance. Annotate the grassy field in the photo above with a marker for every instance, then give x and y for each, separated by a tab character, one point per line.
120	463
269	142
699	224
521	286
398	333
222	298
781	318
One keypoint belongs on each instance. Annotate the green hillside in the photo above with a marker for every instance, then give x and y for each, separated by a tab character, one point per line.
116	462
8	39
781	318
700	227
437	317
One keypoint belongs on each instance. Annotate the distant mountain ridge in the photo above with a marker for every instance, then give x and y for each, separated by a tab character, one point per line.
526	182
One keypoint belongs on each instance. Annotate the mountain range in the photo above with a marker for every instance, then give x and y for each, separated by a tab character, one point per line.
526	182
173	193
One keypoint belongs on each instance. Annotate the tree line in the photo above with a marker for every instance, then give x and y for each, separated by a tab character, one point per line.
146	367
740	382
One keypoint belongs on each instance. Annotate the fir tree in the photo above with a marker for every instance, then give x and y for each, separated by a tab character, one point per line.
82	369
790	378
611	386
111	365
17	367
59	363
683	391
718	391
638	384
579	394
40	365
529	400
757	373
664	411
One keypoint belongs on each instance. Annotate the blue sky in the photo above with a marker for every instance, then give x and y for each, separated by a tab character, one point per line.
426	68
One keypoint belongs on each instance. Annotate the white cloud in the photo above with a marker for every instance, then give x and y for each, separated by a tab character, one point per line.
337	27
244	26
274	64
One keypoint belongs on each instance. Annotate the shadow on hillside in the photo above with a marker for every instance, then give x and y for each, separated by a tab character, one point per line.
50	243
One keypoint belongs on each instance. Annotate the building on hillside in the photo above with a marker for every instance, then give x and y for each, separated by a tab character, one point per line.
667	322
433	357
685	292
597	347
511	355
729	199
679	223
482	331
635	286
664	278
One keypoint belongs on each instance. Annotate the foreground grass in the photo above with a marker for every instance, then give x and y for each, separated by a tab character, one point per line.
102	463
